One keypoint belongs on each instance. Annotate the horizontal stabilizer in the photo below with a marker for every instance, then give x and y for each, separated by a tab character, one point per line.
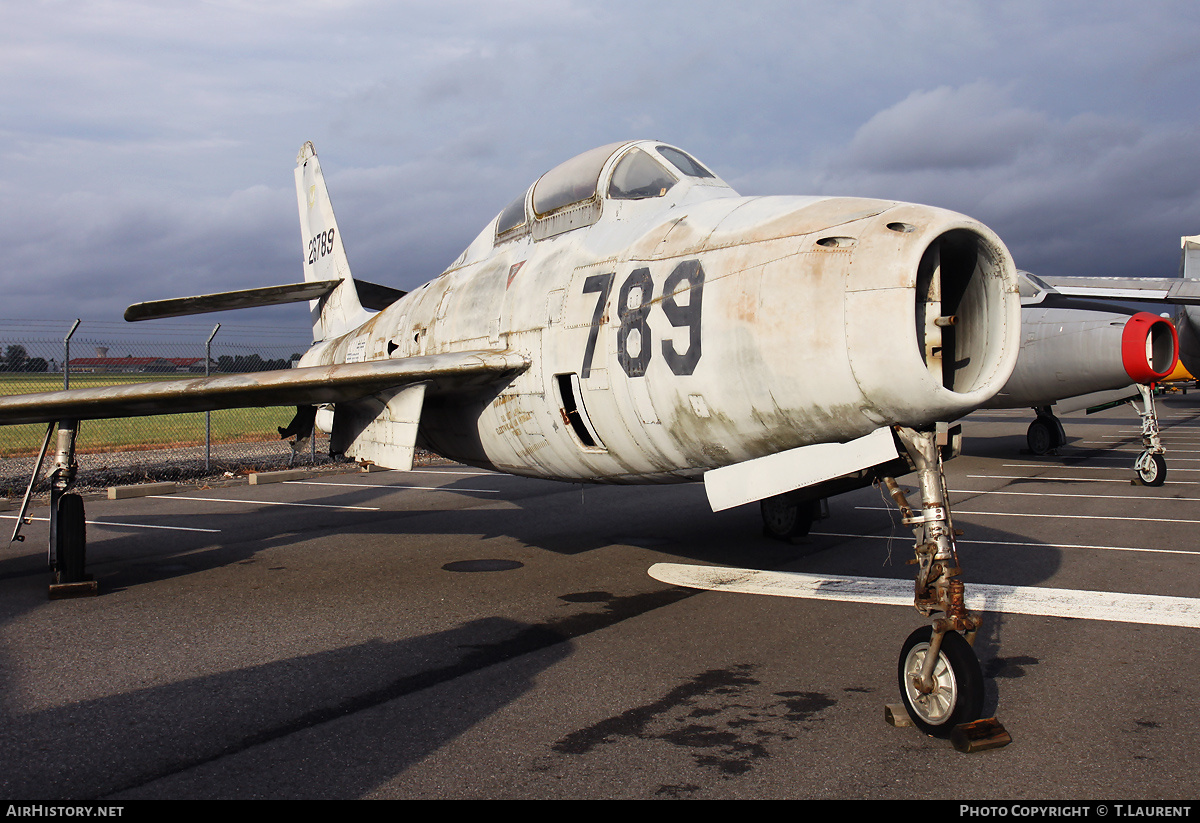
313	385
375	297
225	301
794	469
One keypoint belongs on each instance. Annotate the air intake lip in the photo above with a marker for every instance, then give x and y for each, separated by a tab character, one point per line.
957	304
1149	348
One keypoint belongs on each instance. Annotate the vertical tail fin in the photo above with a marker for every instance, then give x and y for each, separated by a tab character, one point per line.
324	255
1189	260
1187	319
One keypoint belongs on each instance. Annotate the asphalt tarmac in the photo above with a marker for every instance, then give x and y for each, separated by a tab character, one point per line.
451	633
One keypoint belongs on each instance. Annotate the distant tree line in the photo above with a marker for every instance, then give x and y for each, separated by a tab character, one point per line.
252	362
16	358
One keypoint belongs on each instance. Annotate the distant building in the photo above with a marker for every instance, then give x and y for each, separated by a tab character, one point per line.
137	365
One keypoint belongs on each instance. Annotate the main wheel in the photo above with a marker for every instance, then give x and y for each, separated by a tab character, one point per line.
1151	469
786	516
957	695
1040	436
70	548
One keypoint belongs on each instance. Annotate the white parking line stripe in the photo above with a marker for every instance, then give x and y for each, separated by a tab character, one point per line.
118	525
1131	452
1088	496
1124	481
259	502
905	537
1059	516
387	486
1055	466
447	471
1077	466
1107	446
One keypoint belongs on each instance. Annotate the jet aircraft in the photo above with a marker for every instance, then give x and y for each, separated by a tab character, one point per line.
630	318
1084	358
1076	353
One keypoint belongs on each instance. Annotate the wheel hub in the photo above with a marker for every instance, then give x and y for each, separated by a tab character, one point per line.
937	701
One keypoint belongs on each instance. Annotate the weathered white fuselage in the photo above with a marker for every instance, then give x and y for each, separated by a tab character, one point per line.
672	334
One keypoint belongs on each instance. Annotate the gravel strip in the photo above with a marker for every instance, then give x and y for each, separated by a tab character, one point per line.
229	462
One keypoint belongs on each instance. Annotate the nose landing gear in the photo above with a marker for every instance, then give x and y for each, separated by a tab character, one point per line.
1151	465
940	679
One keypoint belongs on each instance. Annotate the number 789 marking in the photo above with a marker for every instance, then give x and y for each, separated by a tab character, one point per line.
634	318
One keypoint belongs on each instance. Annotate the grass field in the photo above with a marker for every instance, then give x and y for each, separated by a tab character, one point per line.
129	433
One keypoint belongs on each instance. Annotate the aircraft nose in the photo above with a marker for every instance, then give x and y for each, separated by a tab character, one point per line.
934	328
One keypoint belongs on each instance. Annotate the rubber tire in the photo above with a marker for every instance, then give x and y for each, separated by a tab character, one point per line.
787	517
71	540
1156	476
1040	437
958	666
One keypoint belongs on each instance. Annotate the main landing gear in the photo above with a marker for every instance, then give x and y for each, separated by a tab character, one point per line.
67	552
939	676
1045	434
303	427
789	516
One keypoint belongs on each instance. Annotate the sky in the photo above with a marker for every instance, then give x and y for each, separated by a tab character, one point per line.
147	148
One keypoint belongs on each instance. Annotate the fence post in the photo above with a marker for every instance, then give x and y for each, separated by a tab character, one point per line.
67	356
208	415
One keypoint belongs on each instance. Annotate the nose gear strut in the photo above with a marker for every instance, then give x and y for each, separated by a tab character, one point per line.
1151	466
939	675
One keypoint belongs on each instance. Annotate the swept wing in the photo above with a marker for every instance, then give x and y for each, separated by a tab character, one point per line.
340	383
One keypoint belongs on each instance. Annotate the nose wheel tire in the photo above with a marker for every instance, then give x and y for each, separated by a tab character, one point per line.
957	693
1151	469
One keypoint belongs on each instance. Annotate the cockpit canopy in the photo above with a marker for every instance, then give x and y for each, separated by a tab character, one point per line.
571	182
570	195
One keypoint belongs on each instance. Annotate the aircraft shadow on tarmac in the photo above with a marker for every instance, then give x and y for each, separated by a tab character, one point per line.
192	732
124	743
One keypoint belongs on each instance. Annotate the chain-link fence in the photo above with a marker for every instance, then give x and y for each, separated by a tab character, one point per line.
37	356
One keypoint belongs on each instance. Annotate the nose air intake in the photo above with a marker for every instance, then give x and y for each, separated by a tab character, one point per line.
959	299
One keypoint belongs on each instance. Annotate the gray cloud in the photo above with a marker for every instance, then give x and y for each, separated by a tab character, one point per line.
968	127
1088	194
